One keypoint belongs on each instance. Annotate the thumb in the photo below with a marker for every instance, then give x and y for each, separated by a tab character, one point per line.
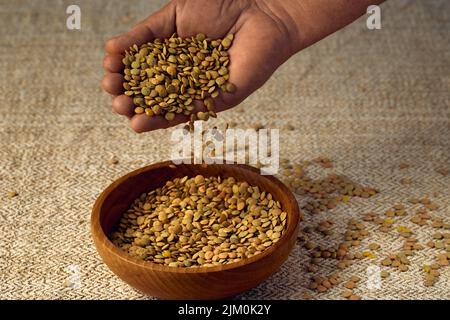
161	24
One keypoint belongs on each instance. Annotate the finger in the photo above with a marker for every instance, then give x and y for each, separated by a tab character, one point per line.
142	123
113	63
162	22
253	60
123	105
113	83
226	101
159	25
139	34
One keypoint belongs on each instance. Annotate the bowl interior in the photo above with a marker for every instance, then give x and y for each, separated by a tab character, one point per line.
121	194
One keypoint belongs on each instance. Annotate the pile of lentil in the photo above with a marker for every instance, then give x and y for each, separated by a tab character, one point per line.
165	76
200	221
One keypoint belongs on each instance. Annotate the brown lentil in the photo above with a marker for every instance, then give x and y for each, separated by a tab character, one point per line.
165	76
12	194
200	221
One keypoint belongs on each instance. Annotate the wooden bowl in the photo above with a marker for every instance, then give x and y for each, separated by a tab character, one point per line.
165	282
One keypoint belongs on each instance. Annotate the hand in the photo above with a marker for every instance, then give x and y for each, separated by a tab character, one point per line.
263	40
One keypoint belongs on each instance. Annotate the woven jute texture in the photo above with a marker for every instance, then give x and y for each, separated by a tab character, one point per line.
369	100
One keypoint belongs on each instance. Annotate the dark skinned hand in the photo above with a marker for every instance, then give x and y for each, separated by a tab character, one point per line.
266	34
262	43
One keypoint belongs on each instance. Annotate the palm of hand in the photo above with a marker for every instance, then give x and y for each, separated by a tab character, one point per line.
261	44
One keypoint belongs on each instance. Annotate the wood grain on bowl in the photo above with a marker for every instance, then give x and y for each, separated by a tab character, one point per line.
165	282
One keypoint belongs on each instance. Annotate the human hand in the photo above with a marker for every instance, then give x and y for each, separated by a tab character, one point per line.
263	39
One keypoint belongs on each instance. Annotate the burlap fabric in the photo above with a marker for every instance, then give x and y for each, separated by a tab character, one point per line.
369	100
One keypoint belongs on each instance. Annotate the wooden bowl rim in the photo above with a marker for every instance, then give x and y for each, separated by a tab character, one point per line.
98	233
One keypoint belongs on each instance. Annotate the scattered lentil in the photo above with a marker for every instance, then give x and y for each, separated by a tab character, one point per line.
113	160
12	194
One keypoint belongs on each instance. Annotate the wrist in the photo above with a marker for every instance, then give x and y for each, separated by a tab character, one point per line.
309	21
288	14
